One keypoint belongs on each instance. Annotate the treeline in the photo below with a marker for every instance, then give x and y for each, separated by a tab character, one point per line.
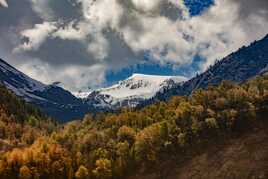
116	145
10	103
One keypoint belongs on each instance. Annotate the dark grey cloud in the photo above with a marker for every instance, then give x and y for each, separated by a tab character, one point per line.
252	7
19	13
88	37
252	13
61	52
59	8
18	16
65	10
120	54
170	11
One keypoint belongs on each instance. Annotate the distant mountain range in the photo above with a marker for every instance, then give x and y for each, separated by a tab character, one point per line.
52	99
64	106
137	90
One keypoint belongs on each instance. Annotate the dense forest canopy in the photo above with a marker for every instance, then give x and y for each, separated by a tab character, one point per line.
118	145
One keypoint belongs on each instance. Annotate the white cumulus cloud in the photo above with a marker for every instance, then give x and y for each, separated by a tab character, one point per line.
36	36
3	3
78	35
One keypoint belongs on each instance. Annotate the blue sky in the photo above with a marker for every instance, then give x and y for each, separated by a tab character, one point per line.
196	7
82	44
151	68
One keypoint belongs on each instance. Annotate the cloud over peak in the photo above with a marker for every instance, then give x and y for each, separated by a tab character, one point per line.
83	35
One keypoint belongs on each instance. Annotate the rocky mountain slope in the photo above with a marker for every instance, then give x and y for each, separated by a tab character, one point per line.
239	66
64	106
52	99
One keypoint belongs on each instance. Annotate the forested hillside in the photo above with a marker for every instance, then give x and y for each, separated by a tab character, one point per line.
20	123
146	143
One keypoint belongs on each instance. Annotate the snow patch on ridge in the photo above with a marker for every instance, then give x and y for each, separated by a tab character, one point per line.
145	86
14	76
132	91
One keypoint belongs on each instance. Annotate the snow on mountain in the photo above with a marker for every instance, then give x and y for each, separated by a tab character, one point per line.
52	99
137	90
237	67
140	85
19	83
132	91
63	105
81	94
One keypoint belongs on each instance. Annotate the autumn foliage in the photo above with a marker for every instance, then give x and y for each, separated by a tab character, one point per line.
116	145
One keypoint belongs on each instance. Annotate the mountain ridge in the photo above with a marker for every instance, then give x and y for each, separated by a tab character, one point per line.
51	99
239	66
133	90
138	90
65	106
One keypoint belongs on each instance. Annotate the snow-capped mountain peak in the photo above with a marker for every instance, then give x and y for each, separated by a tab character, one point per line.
133	90
82	94
63	105
139	85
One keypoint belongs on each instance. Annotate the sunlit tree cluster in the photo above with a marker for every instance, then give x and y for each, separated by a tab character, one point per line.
107	146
